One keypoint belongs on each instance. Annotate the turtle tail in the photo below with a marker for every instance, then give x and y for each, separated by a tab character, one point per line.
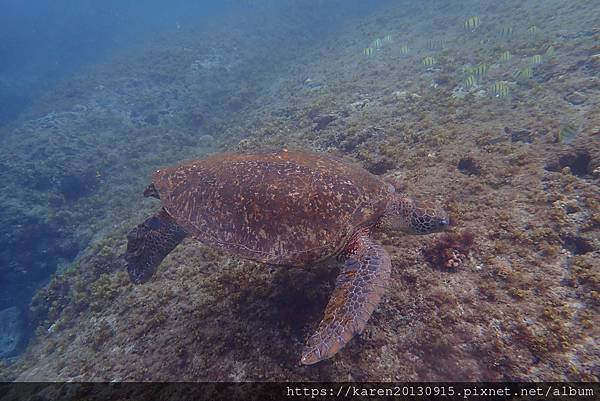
149	243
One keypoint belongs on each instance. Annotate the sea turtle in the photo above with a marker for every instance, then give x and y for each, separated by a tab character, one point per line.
288	208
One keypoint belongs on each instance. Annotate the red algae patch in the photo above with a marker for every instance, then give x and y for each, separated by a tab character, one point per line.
450	250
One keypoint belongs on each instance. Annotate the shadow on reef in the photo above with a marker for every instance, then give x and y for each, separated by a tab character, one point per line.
13	335
70	187
38	244
36	248
29	255
578	162
286	308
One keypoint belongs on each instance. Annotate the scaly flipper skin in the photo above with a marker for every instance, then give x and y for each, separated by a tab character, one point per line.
358	290
149	243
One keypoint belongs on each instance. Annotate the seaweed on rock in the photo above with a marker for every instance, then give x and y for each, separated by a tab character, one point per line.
450	250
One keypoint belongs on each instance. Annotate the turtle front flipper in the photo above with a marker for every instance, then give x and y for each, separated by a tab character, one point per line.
149	243
358	290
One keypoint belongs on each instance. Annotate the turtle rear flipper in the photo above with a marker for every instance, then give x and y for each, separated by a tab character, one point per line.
358	290
149	243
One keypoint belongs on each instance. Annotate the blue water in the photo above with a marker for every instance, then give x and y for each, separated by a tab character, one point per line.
43	41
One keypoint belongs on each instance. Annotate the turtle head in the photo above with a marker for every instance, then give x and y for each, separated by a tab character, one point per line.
412	217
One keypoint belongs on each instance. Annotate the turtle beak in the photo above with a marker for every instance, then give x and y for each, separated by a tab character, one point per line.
444	222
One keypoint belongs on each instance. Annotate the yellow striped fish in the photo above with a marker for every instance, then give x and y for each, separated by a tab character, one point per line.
500	89
387	38
428	61
506	31
377	43
532	30
470	81
506	56
472	23
436	44
524	73
535	60
480	69
368	51
404	49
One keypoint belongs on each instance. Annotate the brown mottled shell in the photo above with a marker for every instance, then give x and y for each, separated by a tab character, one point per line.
288	207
